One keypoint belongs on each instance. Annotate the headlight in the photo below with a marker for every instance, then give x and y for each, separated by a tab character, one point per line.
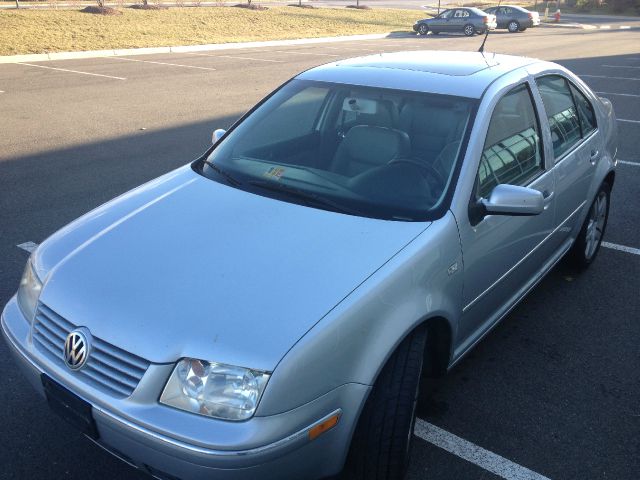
29	291
214	389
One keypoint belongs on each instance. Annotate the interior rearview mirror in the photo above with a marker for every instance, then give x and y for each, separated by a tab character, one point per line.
513	200
217	135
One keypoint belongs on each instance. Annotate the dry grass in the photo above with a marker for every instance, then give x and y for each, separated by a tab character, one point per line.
32	31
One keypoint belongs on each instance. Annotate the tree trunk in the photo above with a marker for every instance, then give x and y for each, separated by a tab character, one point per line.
17	4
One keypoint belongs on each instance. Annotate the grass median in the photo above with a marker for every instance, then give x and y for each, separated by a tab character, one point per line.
36	31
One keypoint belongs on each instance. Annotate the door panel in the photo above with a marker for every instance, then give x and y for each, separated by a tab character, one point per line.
503	254
576	147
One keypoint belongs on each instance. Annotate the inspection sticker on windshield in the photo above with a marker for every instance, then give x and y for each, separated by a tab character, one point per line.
274	173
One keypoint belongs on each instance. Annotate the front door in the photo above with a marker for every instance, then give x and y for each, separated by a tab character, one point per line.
502	254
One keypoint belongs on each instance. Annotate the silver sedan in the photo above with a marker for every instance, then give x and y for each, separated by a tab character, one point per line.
268	310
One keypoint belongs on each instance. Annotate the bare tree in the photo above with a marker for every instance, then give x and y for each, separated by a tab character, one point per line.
17	3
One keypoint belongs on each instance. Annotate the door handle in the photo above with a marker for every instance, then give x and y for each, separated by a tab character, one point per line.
594	156
547	196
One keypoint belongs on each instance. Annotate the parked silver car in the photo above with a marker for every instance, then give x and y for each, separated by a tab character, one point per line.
268	310
468	20
514	18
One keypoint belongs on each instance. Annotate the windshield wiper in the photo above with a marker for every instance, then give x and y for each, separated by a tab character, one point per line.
233	181
304	195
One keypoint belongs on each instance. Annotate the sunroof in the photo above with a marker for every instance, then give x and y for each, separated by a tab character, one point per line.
460	64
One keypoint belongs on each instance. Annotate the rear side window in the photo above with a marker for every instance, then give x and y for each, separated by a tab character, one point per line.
512	151
561	112
585	111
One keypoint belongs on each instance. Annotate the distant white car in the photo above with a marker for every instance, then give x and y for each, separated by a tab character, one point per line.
267	311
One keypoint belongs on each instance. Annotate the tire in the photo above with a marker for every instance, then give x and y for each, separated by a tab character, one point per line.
423	29
382	440
469	30
586	247
513	26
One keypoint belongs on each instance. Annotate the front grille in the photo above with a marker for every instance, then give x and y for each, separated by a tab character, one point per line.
108	368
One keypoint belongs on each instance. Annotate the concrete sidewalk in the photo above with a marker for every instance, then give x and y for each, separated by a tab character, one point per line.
40	57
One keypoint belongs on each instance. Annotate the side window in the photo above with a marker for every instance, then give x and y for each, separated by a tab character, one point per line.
512	151
561	112
464	13
585	111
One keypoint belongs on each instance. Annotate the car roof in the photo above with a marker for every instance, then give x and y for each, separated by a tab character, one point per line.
465	74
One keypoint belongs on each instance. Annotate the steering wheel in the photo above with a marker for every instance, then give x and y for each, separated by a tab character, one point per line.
430	174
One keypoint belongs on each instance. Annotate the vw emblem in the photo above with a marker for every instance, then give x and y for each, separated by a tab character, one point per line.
76	350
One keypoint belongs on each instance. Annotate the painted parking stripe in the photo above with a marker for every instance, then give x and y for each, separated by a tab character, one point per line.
627	162
236	57
608	77
28	246
628	121
621	66
470	452
305	53
618	94
71	71
621	248
161	63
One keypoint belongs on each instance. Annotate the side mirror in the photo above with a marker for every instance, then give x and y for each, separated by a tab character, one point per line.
217	135
514	200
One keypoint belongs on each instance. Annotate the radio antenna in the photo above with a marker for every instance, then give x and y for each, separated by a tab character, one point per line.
486	33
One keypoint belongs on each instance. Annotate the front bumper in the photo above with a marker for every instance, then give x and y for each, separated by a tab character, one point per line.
172	444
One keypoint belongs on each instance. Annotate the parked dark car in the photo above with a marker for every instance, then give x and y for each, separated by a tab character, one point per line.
465	20
515	19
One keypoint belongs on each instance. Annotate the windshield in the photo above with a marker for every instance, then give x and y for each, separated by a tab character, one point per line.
364	151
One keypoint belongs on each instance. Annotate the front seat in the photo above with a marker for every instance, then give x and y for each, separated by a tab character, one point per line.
365	147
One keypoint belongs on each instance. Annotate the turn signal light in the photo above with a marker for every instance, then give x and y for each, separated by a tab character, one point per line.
323	427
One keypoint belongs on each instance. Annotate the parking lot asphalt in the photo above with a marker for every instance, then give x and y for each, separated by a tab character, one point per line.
553	389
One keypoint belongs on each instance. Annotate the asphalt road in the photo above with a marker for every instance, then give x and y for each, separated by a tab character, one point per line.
553	388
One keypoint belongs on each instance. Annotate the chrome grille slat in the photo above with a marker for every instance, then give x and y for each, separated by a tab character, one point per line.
52	330
99	358
51	339
120	355
109	368
100	380
54	317
51	349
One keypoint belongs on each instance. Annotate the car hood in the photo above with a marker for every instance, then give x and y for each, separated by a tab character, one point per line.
187	267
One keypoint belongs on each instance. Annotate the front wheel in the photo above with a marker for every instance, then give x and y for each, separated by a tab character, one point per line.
587	245
513	26
382	439
423	29
469	30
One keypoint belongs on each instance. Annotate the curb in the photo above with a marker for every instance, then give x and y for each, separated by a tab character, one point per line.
41	57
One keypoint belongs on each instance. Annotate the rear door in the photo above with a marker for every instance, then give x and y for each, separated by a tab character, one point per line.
459	20
576	146
502	254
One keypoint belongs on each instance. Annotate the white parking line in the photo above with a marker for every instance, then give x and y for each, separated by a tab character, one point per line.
305	53
352	49
71	71
28	246
627	162
620	66
624	27
628	121
621	248
618	94
161	63
470	452
233	56
608	77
